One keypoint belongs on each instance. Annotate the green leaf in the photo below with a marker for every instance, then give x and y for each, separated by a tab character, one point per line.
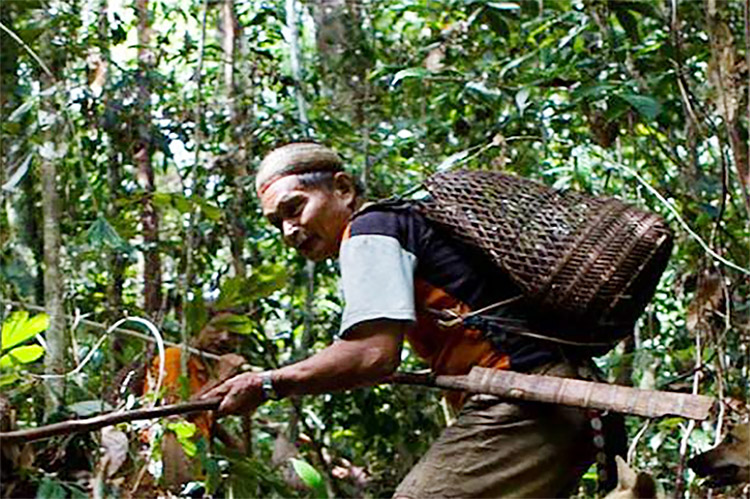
24	108
19	328
8	379
51	489
26	354
196	312
451	160
6	361
165	200
480	89
182	429
86	408
211	212
629	24
18	174
261	283
645	105
234	323
184	432
408	73
182	203
504	5
310	477
515	63
522	100
102	233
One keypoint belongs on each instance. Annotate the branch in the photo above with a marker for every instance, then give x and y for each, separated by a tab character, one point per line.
505	384
107	419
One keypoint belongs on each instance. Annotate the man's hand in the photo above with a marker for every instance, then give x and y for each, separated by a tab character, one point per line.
241	394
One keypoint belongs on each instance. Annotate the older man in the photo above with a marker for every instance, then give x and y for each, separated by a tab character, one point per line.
398	273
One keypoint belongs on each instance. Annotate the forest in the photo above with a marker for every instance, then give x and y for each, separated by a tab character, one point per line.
130	230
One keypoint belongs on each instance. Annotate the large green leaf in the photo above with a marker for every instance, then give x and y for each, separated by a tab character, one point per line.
234	323
51	489
310	477
645	105
262	282
101	233
25	354
19	328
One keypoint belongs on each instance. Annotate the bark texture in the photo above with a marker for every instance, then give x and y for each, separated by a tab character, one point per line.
54	359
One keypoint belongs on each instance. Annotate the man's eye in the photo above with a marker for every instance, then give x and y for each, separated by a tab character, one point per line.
275	221
292	210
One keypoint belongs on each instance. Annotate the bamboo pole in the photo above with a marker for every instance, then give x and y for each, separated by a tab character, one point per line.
505	384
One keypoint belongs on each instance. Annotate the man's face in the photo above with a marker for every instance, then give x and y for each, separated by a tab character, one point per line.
312	220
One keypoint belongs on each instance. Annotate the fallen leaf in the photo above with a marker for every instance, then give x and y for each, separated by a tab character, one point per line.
114	449
708	297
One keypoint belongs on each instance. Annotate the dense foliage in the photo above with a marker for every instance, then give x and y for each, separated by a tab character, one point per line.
153	114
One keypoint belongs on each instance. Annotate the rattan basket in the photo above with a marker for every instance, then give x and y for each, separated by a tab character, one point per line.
591	261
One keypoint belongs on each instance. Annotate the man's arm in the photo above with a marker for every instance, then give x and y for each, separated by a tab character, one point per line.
370	352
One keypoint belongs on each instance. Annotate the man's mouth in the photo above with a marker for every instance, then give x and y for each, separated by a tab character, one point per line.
306	245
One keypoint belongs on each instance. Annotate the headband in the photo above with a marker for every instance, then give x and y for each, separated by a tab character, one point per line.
295	159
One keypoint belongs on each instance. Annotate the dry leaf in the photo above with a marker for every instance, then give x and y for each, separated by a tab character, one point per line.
434	60
283	450
708	297
176	463
229	365
114	449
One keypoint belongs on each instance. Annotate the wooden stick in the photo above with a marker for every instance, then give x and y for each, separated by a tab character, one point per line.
568	391
107	419
506	384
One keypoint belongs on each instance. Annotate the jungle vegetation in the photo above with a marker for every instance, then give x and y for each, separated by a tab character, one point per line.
130	133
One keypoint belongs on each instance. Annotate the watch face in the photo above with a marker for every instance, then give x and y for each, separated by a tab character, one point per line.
266	386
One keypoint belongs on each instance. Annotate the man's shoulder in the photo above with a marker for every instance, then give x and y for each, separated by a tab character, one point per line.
385	218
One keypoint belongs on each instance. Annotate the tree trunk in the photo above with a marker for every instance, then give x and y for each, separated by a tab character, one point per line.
142	158
343	48
234	165
294	60
8	82
115	260
21	201
724	72
54	359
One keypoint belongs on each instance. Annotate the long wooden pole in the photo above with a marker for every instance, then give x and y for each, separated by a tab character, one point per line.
505	384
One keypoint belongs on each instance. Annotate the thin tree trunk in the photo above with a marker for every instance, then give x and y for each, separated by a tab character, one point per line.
196	191
54	359
727	83
8	84
142	156
230	28
21	202
115	260
234	167
294	59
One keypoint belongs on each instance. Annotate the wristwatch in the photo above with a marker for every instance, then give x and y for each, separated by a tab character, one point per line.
266	387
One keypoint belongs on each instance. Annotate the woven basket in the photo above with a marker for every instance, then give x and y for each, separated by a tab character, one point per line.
593	262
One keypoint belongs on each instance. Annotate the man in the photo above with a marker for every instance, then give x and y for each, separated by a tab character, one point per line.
399	276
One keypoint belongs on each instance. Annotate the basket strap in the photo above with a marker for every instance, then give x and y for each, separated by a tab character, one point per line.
448	319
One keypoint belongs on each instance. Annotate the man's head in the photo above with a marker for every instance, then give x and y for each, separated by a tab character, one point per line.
305	192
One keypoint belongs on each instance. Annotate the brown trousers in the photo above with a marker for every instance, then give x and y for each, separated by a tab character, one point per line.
498	448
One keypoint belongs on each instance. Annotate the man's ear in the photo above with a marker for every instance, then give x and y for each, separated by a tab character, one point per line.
343	186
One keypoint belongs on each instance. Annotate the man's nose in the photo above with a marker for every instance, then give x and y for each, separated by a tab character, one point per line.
290	231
